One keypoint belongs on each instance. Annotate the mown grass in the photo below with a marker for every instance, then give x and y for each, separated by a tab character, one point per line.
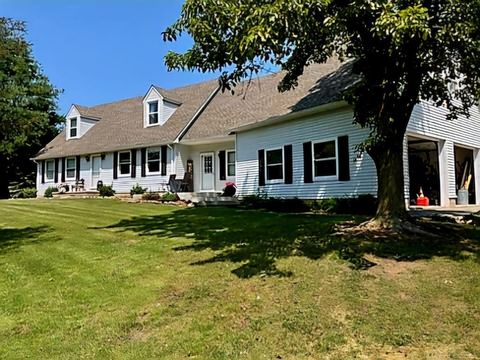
102	279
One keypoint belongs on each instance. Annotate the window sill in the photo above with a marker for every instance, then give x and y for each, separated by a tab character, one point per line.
152	125
325	179
273	182
124	175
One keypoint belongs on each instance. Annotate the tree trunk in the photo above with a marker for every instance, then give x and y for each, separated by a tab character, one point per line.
388	160
4	193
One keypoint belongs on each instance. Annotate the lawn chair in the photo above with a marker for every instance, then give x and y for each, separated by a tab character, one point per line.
186	183
173	184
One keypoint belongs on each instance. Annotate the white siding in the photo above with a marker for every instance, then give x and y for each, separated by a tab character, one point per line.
315	128
85	125
120	185
431	121
167	111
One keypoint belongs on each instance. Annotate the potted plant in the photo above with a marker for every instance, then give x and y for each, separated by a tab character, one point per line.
230	189
137	192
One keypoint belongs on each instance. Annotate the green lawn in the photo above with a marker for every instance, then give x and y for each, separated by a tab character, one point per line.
102	279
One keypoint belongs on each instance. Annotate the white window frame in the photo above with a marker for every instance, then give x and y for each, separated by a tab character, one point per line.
77	127
234	163
325	177
154	149
74	168
119	173
275	181
152	113
47	179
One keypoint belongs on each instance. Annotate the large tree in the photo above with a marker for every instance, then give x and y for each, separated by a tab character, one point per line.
27	104
402	51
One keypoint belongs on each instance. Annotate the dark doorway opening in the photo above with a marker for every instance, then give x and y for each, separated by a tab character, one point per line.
464	172
424	170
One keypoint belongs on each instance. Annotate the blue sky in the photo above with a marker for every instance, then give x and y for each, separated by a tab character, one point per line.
101	51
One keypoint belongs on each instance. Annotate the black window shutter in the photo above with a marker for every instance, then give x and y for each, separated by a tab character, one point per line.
143	159
115	165
77	170
288	154
133	172
164	160
55	169
63	170
307	162
261	167
43	171
221	158
343	159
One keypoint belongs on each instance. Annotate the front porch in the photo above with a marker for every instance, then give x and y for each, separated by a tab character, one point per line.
208	165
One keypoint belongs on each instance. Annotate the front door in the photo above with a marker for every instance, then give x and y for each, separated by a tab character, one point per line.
96	168
208	176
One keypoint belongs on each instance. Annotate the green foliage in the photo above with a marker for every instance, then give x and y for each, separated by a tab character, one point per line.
49	191
25	193
27	104
401	52
154	196
106	191
357	205
168	196
137	189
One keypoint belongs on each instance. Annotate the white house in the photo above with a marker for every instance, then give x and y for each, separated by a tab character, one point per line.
299	143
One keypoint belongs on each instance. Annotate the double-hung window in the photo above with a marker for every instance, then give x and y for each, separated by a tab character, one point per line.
153	161
124	162
325	159
153	113
274	165
71	168
73	127
49	169
231	163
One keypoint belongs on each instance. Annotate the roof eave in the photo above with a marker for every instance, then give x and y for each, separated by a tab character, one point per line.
290	116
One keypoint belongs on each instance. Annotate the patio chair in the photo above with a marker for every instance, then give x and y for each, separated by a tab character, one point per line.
173	184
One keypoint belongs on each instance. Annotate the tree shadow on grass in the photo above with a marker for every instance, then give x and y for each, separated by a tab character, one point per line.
254	239
257	240
13	238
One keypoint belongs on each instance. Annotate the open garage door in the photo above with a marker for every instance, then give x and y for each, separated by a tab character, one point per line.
423	165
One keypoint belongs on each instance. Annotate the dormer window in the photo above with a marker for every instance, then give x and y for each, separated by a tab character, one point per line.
73	127
153	113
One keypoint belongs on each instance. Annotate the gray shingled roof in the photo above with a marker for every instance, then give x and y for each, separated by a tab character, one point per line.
120	124
320	84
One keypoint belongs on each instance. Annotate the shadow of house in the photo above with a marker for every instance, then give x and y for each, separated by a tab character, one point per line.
13	238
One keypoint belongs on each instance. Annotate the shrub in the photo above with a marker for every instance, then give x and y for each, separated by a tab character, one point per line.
49	191
169	197
359	205
26	193
151	196
275	204
137	190
106	191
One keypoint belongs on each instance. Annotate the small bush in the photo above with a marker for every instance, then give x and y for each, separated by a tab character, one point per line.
169	197
137	190
151	196
49	191
106	191
276	204
26	193
360	205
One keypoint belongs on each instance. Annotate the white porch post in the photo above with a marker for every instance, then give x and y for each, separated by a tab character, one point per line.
443	173
476	169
